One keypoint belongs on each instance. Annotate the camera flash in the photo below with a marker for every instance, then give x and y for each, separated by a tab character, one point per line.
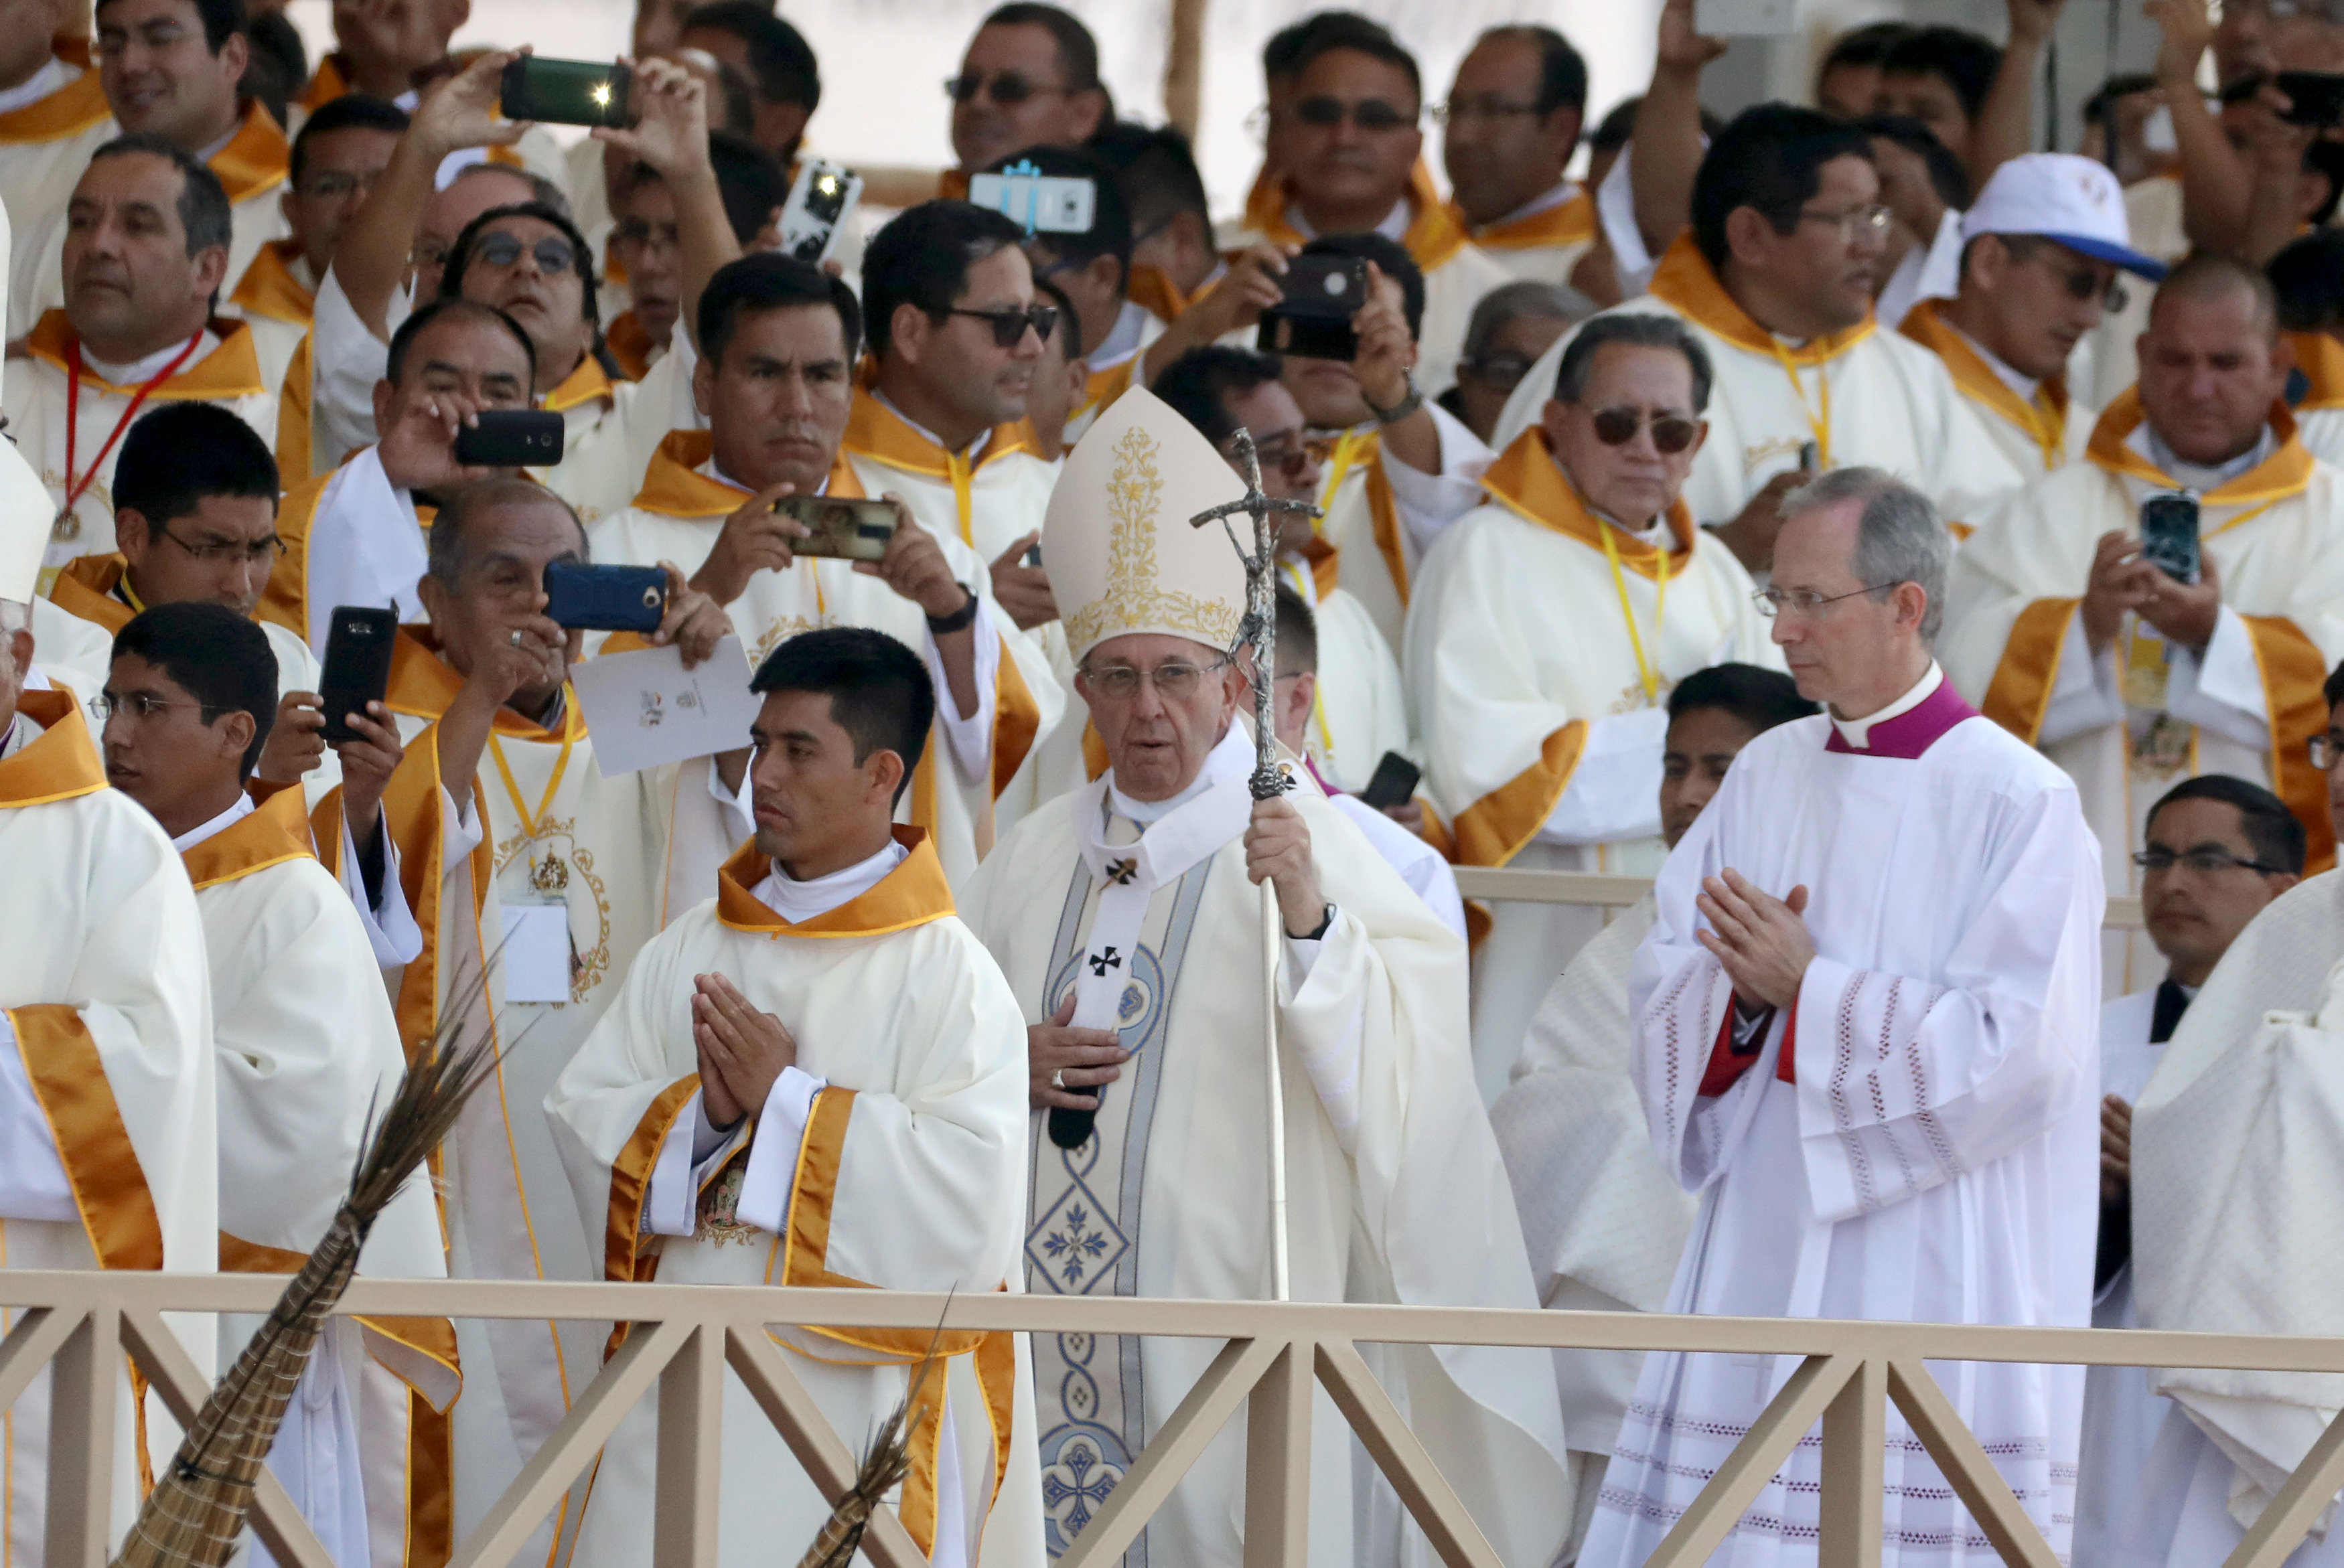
602	94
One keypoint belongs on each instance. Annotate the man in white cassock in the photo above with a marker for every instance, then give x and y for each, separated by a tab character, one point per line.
108	1147
1547	632
306	1048
2218	851
1605	1220
1128	920
1865	1015
2062	629
824	1036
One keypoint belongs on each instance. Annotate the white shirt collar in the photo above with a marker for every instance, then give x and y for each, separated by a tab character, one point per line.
1553	198
145	369
2024	384
1395	223
1857	732
221	823
36	86
1234	753
798	902
709	471
2193	476
929	436
1123	341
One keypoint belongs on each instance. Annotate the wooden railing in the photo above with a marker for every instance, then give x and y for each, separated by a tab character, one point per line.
1507	885
687	1336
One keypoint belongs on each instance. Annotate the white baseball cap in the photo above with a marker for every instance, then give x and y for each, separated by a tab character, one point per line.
2073	200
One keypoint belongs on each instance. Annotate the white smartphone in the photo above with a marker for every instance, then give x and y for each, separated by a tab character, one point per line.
814	219
1045	204
1745	18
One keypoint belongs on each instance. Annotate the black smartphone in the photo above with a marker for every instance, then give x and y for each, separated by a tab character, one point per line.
2314	97
1314	320
605	599
511	439
839	527
1810	457
357	665
566	92
2168	535
1393	783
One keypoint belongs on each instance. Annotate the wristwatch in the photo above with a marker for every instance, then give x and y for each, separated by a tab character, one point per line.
960	619
1326	920
1398	411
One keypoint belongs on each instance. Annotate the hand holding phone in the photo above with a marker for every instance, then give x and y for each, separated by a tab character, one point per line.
511	439
840	527
1320	294
582	598
358	642
566	92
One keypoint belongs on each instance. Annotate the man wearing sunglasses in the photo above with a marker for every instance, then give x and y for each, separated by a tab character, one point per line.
1511	327
1508	130
2130	675
2219	850
1545	639
1775	277
1347	156
2042	249
1029	79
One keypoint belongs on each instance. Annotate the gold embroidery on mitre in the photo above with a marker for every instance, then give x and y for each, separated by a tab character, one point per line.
1133	601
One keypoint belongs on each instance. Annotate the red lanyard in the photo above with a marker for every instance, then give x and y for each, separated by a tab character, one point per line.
74	487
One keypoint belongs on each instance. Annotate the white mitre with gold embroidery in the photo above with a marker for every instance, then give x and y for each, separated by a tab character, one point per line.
1117	540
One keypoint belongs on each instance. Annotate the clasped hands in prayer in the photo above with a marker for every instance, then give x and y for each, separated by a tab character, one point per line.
1760	938
742	1050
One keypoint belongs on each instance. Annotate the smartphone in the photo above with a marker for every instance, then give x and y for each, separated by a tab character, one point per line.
566	92
1810	457
1393	783
814	219
2168	535
511	439
2314	97
357	665
839	527
605	599
1045	204
1745	18
1314	320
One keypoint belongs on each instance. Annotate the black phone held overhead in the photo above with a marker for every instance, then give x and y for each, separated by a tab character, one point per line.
566	92
511	439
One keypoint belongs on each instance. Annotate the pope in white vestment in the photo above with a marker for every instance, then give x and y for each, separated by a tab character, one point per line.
1139	914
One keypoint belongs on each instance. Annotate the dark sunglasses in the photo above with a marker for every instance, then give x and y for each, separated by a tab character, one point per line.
553	254
1009	325
1671	433
1289	455
1503	369
1007	89
2082	285
1367	113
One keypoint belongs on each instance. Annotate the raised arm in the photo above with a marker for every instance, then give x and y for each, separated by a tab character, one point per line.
2006	121
1665	152
671	136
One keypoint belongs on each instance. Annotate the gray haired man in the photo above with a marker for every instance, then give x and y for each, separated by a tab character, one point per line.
1866	1029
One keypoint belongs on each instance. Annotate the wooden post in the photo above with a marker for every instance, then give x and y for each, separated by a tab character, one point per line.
1184	67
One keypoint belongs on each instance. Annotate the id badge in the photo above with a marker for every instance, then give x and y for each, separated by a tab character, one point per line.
535	958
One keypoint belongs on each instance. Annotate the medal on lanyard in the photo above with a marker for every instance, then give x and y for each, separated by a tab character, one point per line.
68	523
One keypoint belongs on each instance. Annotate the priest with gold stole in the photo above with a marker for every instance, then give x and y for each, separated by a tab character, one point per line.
1133	902
2069	635
707	504
306	1050
824	1037
515	847
1546	637
108	1148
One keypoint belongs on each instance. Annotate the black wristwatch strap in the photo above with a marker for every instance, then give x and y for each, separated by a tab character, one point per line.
1326	922
960	619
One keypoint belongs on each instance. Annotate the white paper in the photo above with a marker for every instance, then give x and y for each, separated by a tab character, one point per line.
643	708
535	958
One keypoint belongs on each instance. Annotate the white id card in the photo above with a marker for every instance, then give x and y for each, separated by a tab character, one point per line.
535	959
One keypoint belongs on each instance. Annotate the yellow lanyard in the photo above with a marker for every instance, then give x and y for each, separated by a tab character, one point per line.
1644	670
956	466
1347	452
1309	595
2050	431
1821	429
572	726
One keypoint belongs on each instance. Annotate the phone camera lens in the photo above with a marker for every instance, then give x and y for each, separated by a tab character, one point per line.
1337	282
650	599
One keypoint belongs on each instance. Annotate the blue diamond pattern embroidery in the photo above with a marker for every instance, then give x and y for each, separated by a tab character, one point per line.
1074	1245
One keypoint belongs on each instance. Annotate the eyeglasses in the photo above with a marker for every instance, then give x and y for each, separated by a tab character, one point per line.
1372	115
2081	284
1864	223
1502	370
553	254
1671	433
144	705
259	553
2325	751
333	185
1807	602
634	231
1009	325
2204	862
1287	452
1488	107
1174	683
1007	89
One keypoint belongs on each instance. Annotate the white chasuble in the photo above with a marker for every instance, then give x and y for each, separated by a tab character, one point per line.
1541	656
61	423
1382	516
1395	1190
45	147
307	1047
1862	396
2030	436
110	1155
2234	1225
987	501
1934	1156
559	874
2132	721
970	758
905	1173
